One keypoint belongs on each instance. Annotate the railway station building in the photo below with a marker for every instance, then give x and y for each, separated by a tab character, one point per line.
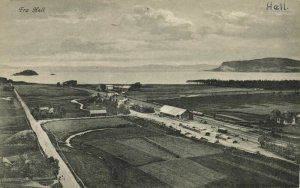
176	112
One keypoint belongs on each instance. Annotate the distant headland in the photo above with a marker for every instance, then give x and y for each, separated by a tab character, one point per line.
260	65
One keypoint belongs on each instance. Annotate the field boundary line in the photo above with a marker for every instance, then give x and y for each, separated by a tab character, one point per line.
160	147
252	170
79	118
265	163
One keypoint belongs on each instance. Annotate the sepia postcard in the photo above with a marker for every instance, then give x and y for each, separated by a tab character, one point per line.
149	93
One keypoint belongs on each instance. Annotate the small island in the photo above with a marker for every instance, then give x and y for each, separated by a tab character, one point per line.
26	73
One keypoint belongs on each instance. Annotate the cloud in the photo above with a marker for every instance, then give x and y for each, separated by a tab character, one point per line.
86	46
72	17
233	17
158	22
246	25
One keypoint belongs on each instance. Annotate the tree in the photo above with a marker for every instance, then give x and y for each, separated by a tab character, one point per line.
290	149
123	109
62	111
297	157
103	87
58	84
136	86
264	140
274	115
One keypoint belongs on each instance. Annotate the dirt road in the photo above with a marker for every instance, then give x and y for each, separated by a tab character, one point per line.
67	178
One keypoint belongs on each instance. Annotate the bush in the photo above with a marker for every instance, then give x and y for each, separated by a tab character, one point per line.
143	109
123	110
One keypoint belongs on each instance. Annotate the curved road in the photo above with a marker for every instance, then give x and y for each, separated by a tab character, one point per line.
67	180
68	140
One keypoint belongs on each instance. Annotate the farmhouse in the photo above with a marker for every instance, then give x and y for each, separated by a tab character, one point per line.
176	112
70	83
125	87
44	108
109	87
94	113
8	87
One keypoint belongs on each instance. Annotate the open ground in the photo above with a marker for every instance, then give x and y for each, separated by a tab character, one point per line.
133	152
126	151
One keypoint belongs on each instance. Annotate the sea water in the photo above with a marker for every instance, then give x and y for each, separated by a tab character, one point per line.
95	77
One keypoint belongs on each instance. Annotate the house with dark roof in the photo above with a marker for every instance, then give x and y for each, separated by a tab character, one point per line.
70	83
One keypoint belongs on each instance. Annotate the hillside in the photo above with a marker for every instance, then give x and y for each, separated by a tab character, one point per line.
261	65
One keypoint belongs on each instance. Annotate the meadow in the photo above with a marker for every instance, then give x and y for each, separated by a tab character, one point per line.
245	109
36	95
168	91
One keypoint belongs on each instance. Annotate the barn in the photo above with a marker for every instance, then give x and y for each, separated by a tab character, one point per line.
176	112
94	113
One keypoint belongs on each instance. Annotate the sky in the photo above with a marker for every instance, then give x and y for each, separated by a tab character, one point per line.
142	32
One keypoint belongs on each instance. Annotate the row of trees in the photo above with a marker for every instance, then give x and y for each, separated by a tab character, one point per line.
143	109
263	84
289	151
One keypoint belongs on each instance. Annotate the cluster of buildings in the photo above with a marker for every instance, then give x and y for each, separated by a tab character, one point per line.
117	88
46	112
294	120
286	118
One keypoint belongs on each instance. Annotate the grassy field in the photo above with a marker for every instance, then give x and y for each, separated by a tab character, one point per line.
247	171
144	154
110	135
160	92
19	145
242	107
148	147
89	168
184	147
234	105
62	129
182	173
51	96
259	104
126	153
